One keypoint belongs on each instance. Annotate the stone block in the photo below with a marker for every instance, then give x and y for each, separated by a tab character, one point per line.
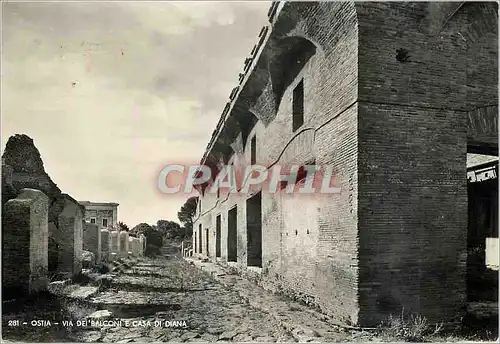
92	239
25	243
142	249
134	246
113	242
69	236
104	245
123	242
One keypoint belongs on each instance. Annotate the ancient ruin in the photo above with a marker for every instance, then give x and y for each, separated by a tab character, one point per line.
123	243
25	244
22	167
92	239
142	244
394	107
105	245
104	218
70	237
399	99
134	246
114	247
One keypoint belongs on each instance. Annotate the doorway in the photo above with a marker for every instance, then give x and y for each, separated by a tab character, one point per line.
254	230
482	194
232	250
217	236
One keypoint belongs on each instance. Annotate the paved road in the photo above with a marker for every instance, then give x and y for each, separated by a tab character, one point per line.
170	299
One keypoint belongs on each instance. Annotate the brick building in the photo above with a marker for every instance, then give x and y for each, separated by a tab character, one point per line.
393	96
105	215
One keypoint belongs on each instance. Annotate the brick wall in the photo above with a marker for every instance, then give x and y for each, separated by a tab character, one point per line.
413	127
322	251
25	244
395	134
70	237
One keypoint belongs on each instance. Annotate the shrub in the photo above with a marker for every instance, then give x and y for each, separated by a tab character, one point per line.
413	329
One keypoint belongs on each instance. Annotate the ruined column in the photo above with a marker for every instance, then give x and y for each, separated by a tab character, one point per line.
123	252
104	245
70	238
113	245
142	241
137	248
92	239
131	245
134	246
25	243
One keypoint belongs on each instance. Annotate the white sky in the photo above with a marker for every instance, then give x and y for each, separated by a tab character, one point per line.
112	92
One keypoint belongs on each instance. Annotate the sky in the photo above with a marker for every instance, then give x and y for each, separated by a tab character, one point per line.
112	92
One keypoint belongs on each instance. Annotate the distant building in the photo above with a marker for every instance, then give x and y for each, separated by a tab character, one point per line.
105	215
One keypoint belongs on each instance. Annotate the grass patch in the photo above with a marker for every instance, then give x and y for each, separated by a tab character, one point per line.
414	328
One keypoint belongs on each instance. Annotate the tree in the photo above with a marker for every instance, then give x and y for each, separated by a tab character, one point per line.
186	214
154	238
123	227
169	229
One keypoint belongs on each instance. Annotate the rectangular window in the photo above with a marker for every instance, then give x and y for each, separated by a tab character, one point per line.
218	193
298	106
105	223
253	150
92	220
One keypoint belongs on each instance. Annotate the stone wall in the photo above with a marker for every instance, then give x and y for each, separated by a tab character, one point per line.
135	246
387	105
70	237
114	242
92	239
105	245
25	243
123	244
22	167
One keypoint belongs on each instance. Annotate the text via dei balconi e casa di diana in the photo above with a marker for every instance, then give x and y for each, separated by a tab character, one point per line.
100	323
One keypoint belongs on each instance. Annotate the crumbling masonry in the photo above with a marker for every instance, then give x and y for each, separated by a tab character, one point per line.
41	227
393	96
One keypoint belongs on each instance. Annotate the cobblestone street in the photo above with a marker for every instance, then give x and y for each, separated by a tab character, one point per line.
170	299
214	305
